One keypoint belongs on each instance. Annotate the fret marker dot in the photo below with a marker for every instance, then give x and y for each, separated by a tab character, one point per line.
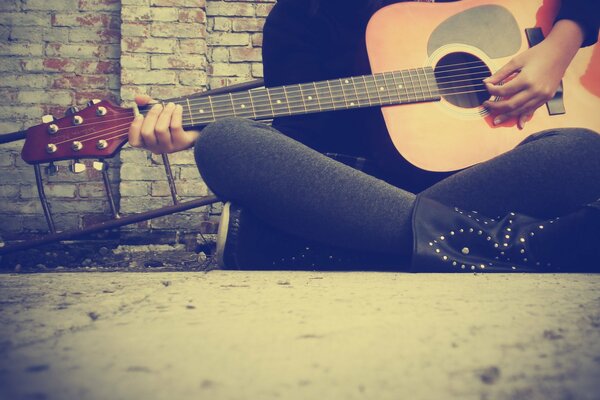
310	97
346	81
381	88
278	101
400	86
201	111
243	106
352	103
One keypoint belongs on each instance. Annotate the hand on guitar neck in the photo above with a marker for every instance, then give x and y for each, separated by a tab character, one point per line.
536	74
161	131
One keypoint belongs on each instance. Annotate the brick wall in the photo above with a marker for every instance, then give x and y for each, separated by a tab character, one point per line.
54	54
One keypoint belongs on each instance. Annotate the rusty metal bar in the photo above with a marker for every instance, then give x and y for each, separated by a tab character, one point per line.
113	223
170	178
109	193
43	199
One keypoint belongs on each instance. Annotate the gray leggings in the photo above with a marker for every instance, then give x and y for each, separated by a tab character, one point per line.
296	190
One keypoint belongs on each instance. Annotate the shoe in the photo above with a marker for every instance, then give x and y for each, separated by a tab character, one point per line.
448	239
244	242
227	235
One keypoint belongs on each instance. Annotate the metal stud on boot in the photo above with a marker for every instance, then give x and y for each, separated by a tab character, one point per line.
448	239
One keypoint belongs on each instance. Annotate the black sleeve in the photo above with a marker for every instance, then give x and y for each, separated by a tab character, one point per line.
586	13
291	54
290	45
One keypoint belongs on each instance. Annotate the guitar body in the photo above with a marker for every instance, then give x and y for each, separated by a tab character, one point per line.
457	132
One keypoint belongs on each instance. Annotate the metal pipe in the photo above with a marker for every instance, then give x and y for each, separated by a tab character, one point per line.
170	178
43	199
111	224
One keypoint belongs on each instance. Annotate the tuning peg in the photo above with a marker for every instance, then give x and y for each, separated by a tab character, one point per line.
47	118
52	169
93	101
71	111
99	165
77	167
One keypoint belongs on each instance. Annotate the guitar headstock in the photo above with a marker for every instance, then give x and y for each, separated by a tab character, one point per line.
97	131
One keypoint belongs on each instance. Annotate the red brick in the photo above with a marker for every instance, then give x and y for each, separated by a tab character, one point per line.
192	15
80	81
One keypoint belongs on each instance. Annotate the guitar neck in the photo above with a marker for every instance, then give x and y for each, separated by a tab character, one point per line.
398	87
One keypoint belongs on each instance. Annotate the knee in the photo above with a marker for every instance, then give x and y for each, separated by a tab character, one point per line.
217	136
218	148
583	135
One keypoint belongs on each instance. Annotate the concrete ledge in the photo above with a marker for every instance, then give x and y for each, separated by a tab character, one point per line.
299	335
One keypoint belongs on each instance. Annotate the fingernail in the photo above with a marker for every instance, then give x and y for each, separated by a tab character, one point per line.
170	104
499	120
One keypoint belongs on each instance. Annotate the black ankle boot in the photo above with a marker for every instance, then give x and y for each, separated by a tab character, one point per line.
448	239
244	242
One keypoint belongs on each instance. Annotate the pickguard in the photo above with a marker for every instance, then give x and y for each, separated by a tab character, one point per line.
491	28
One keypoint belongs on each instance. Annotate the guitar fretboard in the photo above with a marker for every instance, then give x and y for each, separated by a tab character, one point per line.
388	88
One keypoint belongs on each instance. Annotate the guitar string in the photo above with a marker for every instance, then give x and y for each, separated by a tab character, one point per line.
335	94
292	109
124	132
373	77
129	116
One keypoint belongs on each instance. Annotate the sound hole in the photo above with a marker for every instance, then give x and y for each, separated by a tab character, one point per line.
459	77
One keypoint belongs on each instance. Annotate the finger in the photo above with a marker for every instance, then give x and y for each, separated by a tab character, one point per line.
162	128
523	119
507	70
147	131
143	99
509	105
508	89
178	135
528	107
135	138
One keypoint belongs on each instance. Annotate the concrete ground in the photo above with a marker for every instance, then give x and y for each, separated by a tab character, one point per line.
299	335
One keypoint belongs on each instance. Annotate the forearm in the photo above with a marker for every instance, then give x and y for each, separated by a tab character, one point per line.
565	39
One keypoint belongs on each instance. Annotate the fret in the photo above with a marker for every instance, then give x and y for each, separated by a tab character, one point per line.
270	102
212	108
287	101
364	79
261	103
435	92
310	97
343	92
317	96
399	88
232	105
373	91
389	84
410	87
325	96
423	81
423	90
241	104
302	98
203	110
418	85
382	90
352	80
331	94
252	104
190	111
280	104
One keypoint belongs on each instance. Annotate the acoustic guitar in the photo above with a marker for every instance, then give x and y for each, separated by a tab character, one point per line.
428	62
